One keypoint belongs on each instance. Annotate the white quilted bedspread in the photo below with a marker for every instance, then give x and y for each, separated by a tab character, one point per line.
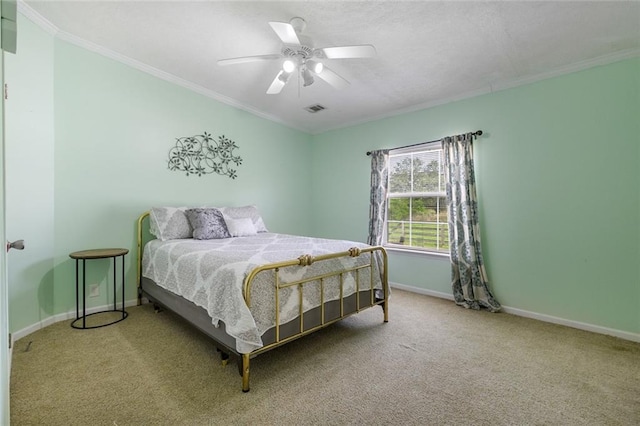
211	273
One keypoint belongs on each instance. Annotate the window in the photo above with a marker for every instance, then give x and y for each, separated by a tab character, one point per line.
417	202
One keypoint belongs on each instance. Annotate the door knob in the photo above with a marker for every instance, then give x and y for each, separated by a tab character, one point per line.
18	245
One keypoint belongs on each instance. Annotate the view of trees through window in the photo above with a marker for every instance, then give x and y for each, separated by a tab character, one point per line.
417	215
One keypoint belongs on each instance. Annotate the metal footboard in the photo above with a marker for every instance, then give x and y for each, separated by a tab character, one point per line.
306	260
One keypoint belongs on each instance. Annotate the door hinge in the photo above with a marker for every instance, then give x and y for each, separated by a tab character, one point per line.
6	91
10	340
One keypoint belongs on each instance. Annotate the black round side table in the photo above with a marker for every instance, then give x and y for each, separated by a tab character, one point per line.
90	255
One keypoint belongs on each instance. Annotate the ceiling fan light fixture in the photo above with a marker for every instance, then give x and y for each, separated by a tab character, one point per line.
284	76
316	67
307	78
288	66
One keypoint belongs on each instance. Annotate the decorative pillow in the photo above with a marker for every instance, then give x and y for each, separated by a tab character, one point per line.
207	223
169	223
245	212
241	227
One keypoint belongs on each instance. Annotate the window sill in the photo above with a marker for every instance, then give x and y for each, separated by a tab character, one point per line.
420	253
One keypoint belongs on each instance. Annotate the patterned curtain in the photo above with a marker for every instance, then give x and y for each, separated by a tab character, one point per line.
378	204
468	276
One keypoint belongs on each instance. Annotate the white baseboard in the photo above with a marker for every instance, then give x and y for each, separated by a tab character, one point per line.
422	291
634	337
65	316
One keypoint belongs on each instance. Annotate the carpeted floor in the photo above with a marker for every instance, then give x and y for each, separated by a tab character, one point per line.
433	364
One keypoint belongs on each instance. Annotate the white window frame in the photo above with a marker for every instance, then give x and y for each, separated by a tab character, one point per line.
431	146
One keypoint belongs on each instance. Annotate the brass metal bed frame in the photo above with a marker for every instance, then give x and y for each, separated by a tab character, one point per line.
324	315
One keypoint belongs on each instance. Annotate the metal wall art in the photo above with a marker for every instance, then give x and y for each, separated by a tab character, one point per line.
201	154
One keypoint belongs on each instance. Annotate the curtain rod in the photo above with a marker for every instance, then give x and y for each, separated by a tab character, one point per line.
476	133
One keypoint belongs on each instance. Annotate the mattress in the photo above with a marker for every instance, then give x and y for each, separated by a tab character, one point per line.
211	274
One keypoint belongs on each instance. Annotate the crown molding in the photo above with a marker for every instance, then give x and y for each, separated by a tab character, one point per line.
571	68
51	29
37	19
47	26
491	88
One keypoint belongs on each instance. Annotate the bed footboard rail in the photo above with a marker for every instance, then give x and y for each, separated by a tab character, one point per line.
375	266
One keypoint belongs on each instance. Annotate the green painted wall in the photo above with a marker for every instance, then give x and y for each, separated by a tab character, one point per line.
92	136
114	128
558	177
558	172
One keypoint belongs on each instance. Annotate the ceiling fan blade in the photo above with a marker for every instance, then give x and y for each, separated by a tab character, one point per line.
346	52
278	83
333	79
245	59
286	32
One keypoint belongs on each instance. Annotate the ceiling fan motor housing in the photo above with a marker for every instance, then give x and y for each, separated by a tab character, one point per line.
302	52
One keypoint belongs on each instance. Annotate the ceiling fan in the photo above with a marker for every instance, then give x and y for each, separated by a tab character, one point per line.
299	54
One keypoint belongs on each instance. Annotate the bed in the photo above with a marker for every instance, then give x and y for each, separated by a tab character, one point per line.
252	291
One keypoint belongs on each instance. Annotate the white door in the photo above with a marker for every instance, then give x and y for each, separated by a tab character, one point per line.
4	293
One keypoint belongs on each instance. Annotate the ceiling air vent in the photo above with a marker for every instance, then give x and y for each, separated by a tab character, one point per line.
315	108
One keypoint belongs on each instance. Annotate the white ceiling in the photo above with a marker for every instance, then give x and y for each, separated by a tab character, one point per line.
428	52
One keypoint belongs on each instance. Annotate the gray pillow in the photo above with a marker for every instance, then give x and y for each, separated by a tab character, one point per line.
207	223
169	223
